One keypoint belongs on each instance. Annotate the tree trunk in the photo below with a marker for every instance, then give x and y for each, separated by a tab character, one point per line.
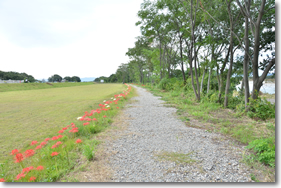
242	86
246	62
209	79
182	69
229	73
201	86
160	57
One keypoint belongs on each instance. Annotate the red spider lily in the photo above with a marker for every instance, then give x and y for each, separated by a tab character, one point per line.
39	168
33	142
100	104
27	169
73	126
2	180
56	144
104	116
19	176
38	147
94	119
19	157
59	136
15	151
87	123
54	153
117	107
43	143
55	138
61	131
64	128
47	139
78	141
74	130
32	178
29	153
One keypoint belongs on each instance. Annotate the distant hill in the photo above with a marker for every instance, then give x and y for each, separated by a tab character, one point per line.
88	79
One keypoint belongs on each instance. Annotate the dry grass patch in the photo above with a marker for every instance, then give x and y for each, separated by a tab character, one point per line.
178	158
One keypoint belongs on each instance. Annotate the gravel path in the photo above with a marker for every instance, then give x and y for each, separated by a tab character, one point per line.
154	130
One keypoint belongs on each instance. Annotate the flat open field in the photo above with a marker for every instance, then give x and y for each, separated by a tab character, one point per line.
28	115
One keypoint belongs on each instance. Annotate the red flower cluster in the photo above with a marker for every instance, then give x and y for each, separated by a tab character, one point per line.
78	141
29	153
74	130
33	142
39	168
19	158
15	151
87	123
54	153
56	144
27	169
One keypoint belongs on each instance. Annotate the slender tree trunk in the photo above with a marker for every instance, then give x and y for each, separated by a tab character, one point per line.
182	69
209	79
201	86
160	57
246	62
242	86
229	73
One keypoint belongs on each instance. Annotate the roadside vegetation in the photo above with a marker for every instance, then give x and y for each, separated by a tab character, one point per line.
54	128
194	54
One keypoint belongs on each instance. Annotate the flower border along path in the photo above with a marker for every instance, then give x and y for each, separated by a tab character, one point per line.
49	159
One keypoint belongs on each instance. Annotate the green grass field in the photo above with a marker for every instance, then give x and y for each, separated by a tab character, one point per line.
30	86
33	114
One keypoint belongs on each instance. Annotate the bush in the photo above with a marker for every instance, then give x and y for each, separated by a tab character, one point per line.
170	84
261	108
265	149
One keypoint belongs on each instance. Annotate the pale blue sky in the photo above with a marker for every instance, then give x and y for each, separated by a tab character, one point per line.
87	38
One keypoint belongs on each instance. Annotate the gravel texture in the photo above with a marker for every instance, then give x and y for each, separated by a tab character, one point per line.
154	129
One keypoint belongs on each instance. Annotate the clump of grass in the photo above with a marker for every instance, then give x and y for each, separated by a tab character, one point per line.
178	158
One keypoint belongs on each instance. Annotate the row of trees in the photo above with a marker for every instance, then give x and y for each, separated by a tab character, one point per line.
203	41
16	76
58	78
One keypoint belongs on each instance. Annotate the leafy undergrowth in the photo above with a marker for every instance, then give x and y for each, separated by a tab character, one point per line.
258	133
50	158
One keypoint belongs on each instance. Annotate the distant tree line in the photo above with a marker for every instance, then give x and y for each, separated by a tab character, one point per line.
16	76
58	78
111	79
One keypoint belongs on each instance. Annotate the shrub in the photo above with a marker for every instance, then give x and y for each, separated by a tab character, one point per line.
265	150
261	108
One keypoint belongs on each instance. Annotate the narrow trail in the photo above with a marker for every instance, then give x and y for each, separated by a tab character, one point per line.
154	132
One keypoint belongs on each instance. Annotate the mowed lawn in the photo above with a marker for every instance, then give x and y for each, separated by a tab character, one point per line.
36	114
